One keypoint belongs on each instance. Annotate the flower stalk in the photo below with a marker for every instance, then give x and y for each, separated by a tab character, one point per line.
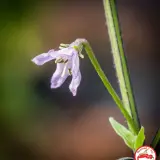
107	84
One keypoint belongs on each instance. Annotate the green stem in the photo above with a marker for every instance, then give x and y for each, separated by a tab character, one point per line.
107	84
156	143
120	61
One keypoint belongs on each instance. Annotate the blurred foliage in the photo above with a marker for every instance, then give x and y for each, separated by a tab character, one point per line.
17	7
18	33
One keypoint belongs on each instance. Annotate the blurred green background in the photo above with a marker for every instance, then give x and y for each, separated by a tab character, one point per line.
37	123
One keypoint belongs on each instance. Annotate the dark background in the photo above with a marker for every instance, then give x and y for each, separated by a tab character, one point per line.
37	123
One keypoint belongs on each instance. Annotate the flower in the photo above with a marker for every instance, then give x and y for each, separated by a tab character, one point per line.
67	60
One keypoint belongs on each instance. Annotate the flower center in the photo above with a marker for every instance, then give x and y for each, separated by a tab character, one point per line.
61	60
70	72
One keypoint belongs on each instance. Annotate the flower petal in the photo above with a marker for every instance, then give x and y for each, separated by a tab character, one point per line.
75	83
44	57
75	64
60	75
65	53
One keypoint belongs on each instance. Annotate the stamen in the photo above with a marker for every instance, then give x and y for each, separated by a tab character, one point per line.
59	60
65	61
81	55
70	72
62	46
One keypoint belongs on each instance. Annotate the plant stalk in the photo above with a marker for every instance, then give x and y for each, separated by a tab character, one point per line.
156	142
108	86
120	61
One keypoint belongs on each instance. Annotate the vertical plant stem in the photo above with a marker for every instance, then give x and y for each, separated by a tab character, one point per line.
108	86
120	60
156	142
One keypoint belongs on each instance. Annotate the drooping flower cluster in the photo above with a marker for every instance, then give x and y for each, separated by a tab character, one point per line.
68	63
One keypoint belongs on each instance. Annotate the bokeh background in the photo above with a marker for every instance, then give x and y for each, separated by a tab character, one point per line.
37	123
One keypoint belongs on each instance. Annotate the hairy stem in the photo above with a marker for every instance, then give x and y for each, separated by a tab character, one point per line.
120	61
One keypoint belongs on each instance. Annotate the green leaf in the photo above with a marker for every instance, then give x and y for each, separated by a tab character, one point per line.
140	139
128	137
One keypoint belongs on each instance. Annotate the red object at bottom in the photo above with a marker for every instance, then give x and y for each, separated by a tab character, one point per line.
145	156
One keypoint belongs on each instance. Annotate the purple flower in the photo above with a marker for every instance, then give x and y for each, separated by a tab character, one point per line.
67	60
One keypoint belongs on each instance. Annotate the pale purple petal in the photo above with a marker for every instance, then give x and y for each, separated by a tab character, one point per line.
60	75
75	83
66	53
75	64
70	61
44	57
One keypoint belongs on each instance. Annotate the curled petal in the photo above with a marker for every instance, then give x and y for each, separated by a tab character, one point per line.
66	53
75	83
60	75
44	57
75	64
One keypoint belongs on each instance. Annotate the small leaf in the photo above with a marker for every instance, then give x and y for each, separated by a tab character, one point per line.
128	137
140	139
